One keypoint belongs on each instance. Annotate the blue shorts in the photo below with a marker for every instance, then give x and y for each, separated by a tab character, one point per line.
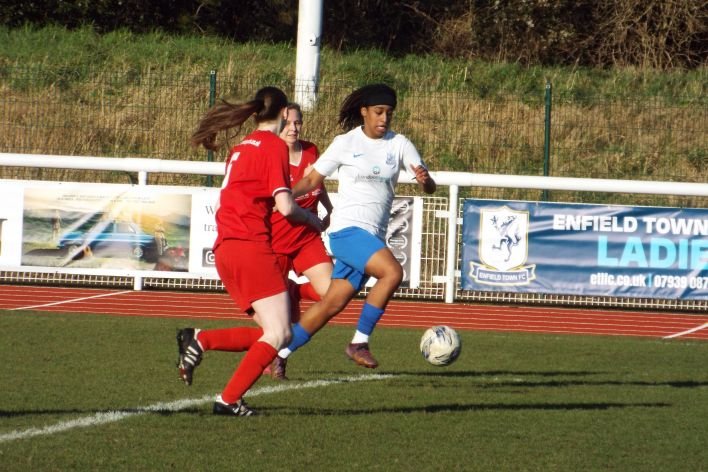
352	248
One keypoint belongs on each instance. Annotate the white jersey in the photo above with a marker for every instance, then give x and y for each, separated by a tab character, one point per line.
368	172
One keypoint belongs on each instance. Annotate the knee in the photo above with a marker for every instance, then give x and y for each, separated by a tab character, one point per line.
278	338
399	274
394	274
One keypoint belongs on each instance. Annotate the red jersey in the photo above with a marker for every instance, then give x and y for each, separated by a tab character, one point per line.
289	237
256	170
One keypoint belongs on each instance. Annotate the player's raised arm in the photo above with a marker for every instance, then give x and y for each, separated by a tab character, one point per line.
422	176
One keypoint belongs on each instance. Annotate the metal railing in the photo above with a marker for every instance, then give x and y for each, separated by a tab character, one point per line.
440	234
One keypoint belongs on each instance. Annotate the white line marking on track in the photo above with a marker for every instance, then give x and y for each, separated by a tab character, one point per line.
688	331
177	405
72	300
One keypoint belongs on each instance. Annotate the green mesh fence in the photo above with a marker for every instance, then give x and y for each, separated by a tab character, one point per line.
151	114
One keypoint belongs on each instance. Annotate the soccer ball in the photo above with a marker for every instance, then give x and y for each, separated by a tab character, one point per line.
440	345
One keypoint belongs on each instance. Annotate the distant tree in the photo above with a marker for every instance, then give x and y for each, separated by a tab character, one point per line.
648	33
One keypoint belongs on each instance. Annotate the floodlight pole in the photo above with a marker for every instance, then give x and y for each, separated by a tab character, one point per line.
309	31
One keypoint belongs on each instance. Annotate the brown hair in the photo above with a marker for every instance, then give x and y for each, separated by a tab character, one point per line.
296	107
266	106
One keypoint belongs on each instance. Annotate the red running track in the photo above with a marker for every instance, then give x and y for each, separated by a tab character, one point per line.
412	314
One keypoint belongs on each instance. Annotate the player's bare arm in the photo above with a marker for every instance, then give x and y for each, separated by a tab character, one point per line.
308	183
422	176
285	204
327	203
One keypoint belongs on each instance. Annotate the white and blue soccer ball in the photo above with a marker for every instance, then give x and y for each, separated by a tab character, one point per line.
440	345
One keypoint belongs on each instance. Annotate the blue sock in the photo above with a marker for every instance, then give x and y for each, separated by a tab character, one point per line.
300	338
370	315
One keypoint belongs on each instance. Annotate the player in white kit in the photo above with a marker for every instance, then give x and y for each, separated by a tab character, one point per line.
369	158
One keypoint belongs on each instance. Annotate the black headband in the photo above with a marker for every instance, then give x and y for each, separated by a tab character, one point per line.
381	97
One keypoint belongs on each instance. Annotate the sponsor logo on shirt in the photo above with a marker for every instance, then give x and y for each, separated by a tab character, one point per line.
357	154
372	178
252	142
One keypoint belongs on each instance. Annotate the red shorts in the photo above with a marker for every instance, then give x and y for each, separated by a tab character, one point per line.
249	270
307	256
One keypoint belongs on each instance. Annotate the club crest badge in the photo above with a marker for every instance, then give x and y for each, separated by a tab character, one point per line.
503	248
391	160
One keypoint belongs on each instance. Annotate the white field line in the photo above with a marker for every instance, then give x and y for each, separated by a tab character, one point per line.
177	405
688	331
71	300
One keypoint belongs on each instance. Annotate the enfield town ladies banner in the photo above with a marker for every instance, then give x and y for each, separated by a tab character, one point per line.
580	249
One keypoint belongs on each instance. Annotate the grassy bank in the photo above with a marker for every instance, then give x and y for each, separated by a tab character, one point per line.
119	94
84	49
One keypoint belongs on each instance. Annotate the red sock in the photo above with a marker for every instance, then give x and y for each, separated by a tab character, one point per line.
307	291
249	370
229	339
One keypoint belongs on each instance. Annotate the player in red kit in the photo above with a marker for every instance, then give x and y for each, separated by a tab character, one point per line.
256	180
300	247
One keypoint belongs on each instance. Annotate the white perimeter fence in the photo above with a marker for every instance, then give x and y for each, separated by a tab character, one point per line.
440	233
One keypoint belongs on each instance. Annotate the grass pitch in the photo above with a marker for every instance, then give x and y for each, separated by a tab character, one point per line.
85	392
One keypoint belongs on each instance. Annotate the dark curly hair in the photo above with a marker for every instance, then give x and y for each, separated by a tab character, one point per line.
368	95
